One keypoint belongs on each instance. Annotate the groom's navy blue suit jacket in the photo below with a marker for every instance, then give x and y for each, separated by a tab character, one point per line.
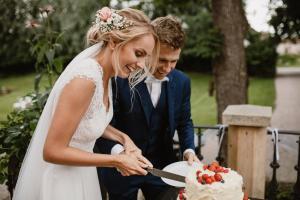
133	112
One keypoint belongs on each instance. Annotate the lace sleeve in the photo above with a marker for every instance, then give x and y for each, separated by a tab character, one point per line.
87	69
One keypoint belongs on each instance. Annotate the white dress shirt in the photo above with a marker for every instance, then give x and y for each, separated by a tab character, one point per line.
154	88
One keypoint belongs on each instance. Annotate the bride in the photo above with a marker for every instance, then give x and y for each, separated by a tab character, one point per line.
60	163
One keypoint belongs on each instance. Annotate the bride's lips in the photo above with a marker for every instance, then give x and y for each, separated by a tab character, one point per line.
127	69
130	68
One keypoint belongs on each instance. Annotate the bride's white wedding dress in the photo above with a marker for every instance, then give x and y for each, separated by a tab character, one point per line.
39	180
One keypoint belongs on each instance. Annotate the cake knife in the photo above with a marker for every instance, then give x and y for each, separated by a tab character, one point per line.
165	174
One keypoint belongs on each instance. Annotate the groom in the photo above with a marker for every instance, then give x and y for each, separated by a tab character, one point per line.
150	114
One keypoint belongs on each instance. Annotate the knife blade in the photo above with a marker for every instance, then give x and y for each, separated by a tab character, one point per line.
165	174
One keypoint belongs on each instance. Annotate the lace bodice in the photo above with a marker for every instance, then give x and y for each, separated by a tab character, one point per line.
40	180
96	119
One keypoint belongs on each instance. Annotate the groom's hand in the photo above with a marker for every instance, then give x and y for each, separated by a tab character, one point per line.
138	155
129	145
190	158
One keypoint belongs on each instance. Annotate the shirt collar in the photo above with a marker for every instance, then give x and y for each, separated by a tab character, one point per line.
152	79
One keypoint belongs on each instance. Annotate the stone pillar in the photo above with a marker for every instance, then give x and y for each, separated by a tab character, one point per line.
247	134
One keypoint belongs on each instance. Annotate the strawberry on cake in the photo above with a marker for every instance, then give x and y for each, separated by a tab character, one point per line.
212	182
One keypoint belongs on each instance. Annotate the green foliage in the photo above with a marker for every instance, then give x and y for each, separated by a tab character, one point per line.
3	167
286	19
13	33
16	132
45	47
73	18
203	41
261	55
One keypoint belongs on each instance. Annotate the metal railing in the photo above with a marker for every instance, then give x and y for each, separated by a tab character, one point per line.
272	189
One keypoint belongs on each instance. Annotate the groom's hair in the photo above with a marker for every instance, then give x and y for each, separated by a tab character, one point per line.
169	31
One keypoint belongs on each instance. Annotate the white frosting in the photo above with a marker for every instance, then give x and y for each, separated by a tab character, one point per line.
231	189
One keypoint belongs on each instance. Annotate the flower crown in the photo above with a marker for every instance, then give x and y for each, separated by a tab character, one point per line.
108	20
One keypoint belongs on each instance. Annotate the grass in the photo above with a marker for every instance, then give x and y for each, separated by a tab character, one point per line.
288	61
203	106
20	85
261	92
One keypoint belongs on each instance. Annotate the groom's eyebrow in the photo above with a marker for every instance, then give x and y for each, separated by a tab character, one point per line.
169	60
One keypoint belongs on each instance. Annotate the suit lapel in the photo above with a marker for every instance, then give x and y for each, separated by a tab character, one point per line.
170	98
145	100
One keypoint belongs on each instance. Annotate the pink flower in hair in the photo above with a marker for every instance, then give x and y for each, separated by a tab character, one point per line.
105	13
108	20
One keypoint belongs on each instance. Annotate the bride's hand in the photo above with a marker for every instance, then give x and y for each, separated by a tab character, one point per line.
129	145
128	164
131	149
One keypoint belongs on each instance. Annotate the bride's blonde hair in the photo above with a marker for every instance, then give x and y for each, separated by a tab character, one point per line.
139	25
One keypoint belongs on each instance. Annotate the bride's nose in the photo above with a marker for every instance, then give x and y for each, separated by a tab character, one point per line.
141	63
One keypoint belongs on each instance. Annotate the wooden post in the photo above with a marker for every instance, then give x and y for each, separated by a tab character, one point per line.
247	134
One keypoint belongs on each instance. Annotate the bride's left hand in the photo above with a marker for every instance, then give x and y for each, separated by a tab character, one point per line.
131	149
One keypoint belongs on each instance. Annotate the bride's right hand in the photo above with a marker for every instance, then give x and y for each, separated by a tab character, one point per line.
130	165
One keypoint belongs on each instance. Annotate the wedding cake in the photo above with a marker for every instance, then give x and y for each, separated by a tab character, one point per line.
212	182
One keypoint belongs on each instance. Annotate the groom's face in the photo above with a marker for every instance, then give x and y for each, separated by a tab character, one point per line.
168	58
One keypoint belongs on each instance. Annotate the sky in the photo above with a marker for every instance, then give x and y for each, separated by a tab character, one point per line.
258	15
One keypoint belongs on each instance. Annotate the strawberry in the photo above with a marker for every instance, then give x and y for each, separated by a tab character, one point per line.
245	196
225	170
212	178
208	180
205	176
198	172
212	168
218	177
219	169
199	179
181	197
215	163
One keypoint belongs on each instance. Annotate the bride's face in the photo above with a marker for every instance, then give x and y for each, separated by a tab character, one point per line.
134	54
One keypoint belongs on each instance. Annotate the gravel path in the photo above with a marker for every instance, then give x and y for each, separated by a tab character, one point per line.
286	116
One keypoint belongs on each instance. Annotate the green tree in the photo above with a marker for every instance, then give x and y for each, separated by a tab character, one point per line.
74	19
203	41
286	19
13	33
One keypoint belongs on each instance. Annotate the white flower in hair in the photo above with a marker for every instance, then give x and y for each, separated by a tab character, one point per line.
108	20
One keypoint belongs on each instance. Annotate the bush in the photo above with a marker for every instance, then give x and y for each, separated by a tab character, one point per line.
17	130
261	55
15	135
